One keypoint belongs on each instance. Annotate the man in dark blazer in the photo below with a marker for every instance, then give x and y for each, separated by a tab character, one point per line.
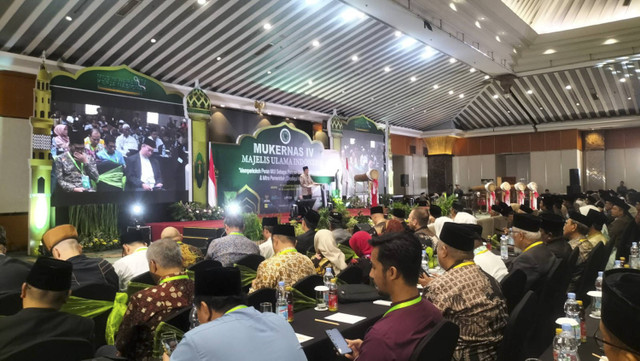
304	242
552	235
13	271
143	171
536	259
43	294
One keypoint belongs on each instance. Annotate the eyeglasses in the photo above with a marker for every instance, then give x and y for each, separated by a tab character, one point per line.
600	342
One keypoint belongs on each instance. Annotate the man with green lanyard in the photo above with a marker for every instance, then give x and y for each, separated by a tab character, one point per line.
536	259
234	246
575	230
229	330
396	262
75	169
467	296
134	256
147	308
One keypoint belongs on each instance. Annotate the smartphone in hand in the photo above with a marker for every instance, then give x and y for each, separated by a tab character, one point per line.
339	343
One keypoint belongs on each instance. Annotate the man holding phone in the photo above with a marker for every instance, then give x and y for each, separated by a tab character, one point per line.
395	269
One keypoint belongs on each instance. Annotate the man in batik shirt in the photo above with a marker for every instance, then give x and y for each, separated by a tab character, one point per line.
190	253
467	296
147	308
286	265
575	230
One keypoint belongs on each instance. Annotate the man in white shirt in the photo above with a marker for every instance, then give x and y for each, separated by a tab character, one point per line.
484	258
459	216
126	142
266	247
134	261
306	183
143	172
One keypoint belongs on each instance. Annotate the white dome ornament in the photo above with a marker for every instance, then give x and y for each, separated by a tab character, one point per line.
491	195
506	192
520	188
533	195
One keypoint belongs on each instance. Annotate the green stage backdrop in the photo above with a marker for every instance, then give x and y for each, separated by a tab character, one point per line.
262	171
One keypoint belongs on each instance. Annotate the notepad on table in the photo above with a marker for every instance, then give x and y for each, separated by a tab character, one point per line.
345	318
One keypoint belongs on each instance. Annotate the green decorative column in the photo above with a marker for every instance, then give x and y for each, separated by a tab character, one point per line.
40	162
199	111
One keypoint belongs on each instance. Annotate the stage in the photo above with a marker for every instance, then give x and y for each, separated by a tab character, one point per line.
157	227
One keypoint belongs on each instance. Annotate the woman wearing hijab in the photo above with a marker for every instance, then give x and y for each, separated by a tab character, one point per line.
359	243
327	253
61	139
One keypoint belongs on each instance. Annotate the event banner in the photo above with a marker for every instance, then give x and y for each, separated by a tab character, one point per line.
262	171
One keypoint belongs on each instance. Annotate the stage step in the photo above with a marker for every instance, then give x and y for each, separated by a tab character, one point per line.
201	232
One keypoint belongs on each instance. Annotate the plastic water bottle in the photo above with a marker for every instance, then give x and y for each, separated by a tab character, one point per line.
333	296
617	264
281	301
289	304
583	325
634	256
504	248
511	242
328	276
557	344
597	300
569	345
193	318
572	311
425	261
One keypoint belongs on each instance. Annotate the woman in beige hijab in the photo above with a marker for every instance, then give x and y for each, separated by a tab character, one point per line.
327	253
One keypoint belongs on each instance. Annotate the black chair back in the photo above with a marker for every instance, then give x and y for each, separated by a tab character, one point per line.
205	264
144	278
588	278
439	344
260	296
513	288
96	291
180	319
56	348
351	275
518	329
308	284
251	260
10	303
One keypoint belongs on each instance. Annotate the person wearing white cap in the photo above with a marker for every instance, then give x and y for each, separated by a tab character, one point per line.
125	142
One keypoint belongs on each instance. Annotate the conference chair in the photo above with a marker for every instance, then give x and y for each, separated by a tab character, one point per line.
351	275
56	348
260	296
517	332
513	288
95	291
10	303
204	265
307	285
180	319
439	344
144	278
251	260
588	278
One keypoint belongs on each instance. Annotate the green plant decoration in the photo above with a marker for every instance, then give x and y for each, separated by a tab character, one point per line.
385	199
97	225
194	211
445	202
252	227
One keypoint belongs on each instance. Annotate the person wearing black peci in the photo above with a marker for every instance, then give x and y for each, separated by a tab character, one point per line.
143	171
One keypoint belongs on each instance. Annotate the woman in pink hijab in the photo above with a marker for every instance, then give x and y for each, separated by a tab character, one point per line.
359	243
61	140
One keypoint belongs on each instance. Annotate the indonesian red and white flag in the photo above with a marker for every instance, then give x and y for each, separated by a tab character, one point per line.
212	195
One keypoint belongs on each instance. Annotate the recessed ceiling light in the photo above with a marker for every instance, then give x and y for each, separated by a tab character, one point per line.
386	68
453	6
578	104
482	18
472	70
623	80
428	52
452	60
568	87
354	58
478	25
436	86
266	26
629	98
529	91
351	14
268	113
413	78
407	42
68	18
461	96
153	41
509	111
610	41
218	58
310	82
398	33
637	70
495	96
540	108
549	51
424	111
498	39
486	77
315	43
450	92
412	108
268	71
295	117
222	105
515	51
202	2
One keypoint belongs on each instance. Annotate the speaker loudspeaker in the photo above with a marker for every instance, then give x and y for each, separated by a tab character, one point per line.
404	180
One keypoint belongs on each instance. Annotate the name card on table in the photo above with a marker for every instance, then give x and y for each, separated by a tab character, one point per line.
345	318
303	338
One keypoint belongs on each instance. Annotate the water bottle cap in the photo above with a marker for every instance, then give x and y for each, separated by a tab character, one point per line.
566	327
281	283
600	273
634	244
424	251
617	262
571	295
328	269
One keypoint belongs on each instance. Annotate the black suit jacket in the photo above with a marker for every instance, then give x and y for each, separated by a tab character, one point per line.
304	242
535	263
14	272
559	247
33	324
134	171
91	271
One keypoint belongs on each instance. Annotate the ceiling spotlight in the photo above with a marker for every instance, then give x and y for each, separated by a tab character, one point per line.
68	18
461	96
549	51
436	86
268	71
610	41
452	60
354	58
310	82
218	58
269	113
498	39
222	105
515	51
315	43
478	25
486	77
295	117
153	41
453	6
413	78
352	14
266	26
629	98
408	42
428	52
398	33
495	96
387	69
568	87
623	80
202	2
472	70
450	92
482	18
529	91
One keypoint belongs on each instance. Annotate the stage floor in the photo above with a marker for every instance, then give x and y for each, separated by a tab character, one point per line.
157	227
